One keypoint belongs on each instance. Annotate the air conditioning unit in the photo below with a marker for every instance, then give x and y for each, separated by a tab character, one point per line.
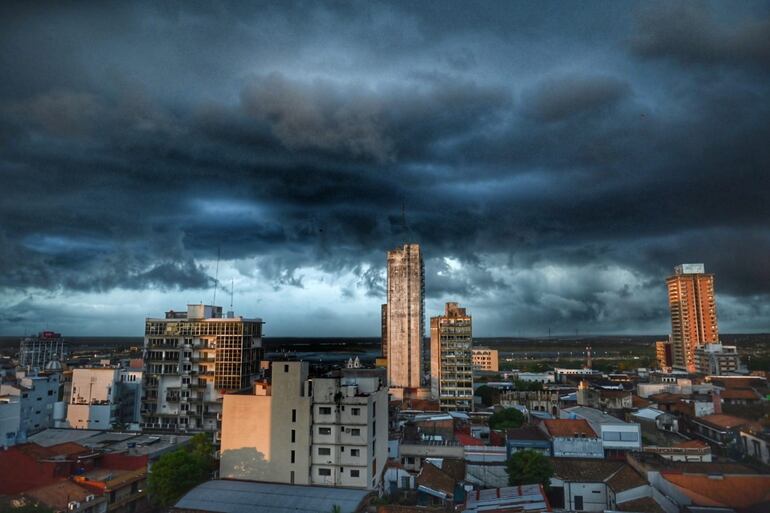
90	498
73	505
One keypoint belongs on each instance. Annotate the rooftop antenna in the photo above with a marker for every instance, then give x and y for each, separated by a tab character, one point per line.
216	278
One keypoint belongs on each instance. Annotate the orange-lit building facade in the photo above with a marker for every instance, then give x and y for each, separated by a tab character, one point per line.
693	313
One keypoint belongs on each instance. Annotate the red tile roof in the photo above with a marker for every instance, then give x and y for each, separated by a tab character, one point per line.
692	444
569	427
731	491
740	393
725	421
465	439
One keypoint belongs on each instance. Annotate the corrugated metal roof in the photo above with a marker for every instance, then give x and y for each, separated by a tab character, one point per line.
225	496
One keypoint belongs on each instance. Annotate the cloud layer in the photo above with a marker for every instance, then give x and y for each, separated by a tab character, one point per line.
554	161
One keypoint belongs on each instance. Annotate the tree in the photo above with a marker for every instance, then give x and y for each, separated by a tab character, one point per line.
505	419
529	467
489	396
175	473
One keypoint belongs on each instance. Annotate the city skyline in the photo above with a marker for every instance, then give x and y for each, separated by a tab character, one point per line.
554	162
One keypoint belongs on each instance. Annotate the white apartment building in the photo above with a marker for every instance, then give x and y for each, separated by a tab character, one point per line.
10	419
191	358
101	398
717	359
485	359
37	396
330	431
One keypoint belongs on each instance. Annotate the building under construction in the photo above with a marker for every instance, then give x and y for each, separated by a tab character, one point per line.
38	351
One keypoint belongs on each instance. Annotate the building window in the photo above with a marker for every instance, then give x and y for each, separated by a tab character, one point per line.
324	471
356	411
355	432
293	436
285	368
291	477
355	452
294	415
325	410
292	456
324	431
405	482
355	473
324	451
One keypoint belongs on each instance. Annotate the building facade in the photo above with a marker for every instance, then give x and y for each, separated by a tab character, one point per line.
190	360
664	354
405	318
451	369
37	396
485	359
330	431
100	398
38	351
693	313
716	359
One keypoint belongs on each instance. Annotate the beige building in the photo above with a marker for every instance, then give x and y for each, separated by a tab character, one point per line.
485	359
716	359
330	431
693	313
405	327
191	358
451	369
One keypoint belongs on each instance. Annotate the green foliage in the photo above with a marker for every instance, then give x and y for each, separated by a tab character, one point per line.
529	467
527	386
27	508
505	419
175	473
489	396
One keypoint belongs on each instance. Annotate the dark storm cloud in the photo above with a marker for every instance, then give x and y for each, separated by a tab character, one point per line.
555	162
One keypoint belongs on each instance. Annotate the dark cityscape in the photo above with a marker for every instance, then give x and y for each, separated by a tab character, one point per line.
496	257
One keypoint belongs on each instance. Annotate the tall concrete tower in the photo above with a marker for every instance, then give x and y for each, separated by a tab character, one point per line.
693	313
405	320
451	359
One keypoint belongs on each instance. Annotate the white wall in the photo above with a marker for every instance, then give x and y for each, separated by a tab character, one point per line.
10	420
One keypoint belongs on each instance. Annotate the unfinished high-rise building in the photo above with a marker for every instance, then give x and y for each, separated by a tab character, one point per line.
384	329
405	321
191	359
693	313
451	356
36	352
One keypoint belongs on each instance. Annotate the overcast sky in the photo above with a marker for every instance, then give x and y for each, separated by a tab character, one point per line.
555	161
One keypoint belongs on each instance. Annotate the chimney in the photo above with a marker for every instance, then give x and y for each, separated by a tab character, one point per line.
717	400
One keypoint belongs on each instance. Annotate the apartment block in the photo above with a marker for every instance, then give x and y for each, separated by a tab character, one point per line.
36	396
101	399
451	370
405	318
717	359
37	352
664	354
330	431
485	359
191	359
693	313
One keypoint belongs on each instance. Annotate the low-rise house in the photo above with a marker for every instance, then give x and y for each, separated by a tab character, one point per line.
733	396
616	435
527	438
573	438
688	450
436	487
721	431
66	496
755	440
589	485
737	492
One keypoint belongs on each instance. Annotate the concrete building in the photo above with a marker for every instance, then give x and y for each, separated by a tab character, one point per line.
38	351
37	396
451	366
190	360
485	359
330	431
615	434
717	359
664	354
405	317
693	313
101	398
572	438
10	419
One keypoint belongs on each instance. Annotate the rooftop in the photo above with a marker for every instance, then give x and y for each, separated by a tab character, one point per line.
529	498
435	480
585	470
722	421
226	496
59	495
732	491
526	433
626	479
569	428
643	505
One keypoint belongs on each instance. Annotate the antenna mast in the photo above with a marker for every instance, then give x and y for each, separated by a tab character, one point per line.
216	278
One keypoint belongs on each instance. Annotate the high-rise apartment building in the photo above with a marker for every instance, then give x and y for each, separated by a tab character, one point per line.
664	354
451	369
37	352
330	431
693	313
405	319
191	359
